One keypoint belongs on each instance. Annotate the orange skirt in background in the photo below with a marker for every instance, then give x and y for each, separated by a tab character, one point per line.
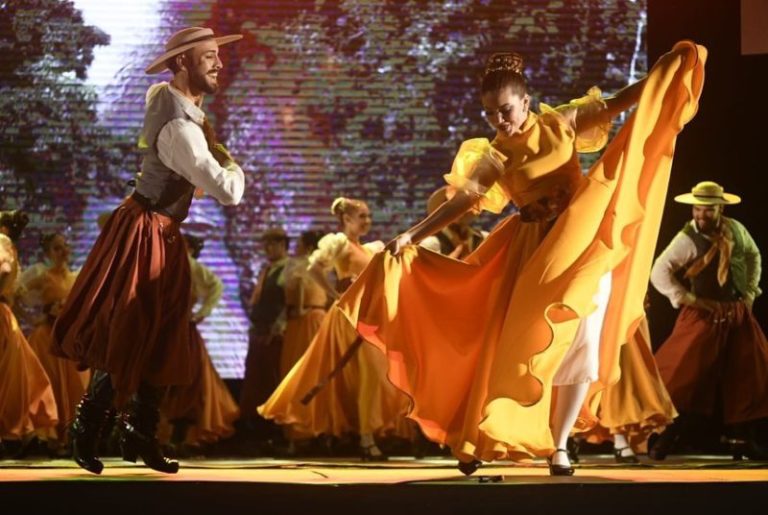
128	311
69	383
638	405
358	400
27	402
298	335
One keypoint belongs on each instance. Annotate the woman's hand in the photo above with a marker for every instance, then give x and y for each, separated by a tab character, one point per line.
395	247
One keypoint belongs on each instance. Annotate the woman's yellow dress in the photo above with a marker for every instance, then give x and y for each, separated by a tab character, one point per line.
476	344
27	403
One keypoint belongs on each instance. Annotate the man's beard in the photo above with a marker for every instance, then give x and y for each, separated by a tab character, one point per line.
708	227
197	82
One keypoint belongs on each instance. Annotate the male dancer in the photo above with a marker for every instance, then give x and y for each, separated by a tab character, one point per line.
127	317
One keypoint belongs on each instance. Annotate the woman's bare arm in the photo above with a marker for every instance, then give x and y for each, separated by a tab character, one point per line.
450	211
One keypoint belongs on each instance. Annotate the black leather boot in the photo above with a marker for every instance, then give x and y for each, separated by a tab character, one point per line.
137	431
90	417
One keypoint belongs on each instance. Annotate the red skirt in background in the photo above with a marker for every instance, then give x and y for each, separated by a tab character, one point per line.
128	312
713	355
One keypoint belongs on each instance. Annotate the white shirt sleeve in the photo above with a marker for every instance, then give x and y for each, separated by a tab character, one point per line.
680	252
181	146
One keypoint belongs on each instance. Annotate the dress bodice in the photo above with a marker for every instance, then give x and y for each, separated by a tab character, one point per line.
537	164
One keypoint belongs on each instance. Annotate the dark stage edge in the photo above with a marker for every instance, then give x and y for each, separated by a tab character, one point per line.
680	485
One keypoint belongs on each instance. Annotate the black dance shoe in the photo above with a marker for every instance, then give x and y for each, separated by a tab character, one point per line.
629	459
469	467
559	470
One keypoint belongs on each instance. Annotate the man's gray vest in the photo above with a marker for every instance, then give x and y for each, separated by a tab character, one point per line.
705	284
168	192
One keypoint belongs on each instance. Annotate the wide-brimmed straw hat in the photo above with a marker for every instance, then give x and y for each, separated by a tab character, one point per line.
185	39
708	193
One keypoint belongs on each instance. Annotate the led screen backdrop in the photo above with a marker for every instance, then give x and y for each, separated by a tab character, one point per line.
368	99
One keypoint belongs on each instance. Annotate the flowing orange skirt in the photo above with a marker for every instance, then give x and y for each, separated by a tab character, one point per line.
27	402
638	404
358	400
298	335
128	311
69	383
476	345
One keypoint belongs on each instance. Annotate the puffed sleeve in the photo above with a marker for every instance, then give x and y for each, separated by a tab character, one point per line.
476	155
589	106
28	287
432	243
374	246
328	249
9	267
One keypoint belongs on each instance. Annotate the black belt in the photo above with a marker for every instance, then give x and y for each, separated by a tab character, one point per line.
143	201
149	205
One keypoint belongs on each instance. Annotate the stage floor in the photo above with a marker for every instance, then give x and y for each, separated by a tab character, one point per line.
593	469
705	484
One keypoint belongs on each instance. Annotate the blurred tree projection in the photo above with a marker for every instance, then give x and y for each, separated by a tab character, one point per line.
321	98
371	99
52	149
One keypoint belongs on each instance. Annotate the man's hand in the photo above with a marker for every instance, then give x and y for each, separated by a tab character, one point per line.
704	304
221	154
396	246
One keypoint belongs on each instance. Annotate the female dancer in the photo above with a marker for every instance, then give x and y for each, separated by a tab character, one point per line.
498	352
358	399
27	403
48	286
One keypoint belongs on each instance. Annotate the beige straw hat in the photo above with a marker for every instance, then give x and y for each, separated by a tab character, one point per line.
185	39
708	193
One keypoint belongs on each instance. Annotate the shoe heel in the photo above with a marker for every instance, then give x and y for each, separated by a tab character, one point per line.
469	467
559	470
